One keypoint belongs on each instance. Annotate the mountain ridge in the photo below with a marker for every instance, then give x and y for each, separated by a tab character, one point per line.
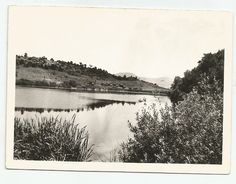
160	81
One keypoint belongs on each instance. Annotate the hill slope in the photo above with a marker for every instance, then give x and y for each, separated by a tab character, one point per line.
42	72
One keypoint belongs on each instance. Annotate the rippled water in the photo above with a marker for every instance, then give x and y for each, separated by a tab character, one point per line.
105	115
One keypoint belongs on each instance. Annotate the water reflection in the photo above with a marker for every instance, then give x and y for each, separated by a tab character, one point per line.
91	106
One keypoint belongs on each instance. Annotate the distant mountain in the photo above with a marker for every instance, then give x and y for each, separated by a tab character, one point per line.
127	74
164	82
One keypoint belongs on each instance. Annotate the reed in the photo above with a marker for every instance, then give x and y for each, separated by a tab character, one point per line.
51	139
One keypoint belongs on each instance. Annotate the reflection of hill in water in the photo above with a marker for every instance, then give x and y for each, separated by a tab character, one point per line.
91	106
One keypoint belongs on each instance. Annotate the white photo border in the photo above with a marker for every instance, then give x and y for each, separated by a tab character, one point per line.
224	168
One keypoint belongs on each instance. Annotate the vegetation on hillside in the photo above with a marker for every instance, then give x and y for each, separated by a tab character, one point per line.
68	67
40	71
189	131
50	139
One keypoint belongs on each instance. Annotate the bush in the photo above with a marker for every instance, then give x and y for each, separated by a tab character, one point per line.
190	132
42	83
24	82
50	139
69	84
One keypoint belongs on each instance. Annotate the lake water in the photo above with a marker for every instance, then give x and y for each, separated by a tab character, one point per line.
105	115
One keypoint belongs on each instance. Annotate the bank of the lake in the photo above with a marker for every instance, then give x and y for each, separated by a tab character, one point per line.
99	90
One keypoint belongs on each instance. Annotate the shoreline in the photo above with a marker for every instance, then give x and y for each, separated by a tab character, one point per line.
98	91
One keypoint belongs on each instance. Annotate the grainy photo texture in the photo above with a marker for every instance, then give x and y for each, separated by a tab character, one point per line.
100	85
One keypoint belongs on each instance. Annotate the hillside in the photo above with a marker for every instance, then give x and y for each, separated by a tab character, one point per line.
42	72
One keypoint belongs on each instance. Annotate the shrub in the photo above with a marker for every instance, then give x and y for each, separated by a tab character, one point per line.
189	132
24	82
42	83
69	84
50	139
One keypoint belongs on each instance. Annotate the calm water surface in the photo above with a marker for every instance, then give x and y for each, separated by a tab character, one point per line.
105	115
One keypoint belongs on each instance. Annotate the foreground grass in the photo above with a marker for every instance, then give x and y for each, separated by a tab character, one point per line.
50	139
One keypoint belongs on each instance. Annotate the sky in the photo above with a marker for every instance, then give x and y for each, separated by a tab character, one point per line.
148	43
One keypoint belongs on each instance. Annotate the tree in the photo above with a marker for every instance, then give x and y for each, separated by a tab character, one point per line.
72	83
211	65
177	92
190	132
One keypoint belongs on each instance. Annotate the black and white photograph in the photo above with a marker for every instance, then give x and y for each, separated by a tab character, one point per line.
108	89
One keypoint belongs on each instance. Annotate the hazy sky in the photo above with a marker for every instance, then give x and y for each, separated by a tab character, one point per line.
148	43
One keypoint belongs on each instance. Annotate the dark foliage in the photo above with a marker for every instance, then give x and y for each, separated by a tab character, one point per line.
43	83
69	84
190	132
211	65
